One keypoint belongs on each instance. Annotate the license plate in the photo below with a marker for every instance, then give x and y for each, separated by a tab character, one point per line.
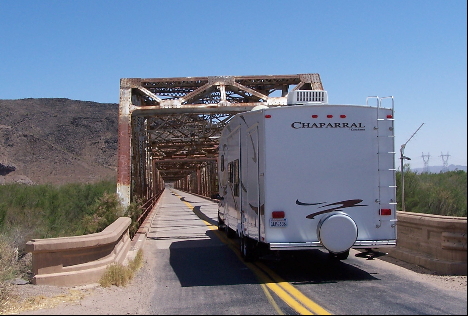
278	222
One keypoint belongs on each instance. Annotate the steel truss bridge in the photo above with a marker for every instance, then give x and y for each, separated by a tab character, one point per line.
169	127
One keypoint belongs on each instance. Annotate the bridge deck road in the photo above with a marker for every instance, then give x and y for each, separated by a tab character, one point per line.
196	273
192	268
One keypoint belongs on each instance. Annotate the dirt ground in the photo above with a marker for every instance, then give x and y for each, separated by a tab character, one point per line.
134	298
91	299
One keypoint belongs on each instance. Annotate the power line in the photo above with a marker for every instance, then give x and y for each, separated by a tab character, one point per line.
445	161
426	162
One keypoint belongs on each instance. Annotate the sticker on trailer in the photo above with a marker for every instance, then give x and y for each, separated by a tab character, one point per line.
278	222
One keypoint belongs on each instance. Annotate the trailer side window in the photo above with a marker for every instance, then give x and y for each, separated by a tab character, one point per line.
233	170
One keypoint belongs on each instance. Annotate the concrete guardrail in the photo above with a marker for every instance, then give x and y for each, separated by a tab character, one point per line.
435	242
79	260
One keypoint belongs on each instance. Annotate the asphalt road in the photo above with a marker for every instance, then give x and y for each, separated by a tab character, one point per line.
200	272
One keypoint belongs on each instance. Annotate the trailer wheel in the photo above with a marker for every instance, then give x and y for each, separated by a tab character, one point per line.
220	223
229	232
340	256
247	249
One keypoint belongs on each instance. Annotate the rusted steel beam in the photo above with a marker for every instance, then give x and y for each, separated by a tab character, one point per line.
150	110
124	146
202	159
176	123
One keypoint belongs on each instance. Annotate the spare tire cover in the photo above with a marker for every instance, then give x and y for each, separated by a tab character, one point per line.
337	232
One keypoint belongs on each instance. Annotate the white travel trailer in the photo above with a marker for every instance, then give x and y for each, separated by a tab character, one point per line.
309	175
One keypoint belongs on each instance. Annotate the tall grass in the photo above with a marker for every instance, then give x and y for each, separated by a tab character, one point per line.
442	193
46	211
120	275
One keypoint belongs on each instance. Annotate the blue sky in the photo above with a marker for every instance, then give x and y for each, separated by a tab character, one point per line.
415	51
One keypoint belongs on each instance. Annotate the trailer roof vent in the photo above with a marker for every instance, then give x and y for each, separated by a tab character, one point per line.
307	97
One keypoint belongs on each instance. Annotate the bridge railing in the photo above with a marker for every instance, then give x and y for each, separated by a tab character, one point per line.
79	260
435	242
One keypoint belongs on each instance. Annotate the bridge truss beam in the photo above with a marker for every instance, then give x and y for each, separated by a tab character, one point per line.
169	127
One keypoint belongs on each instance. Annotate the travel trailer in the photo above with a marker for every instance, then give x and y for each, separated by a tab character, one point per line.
309	175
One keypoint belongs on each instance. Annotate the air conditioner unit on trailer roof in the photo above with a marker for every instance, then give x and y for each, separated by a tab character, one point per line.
305	97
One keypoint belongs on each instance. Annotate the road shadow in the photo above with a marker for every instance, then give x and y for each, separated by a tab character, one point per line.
210	263
315	267
184	200
202	216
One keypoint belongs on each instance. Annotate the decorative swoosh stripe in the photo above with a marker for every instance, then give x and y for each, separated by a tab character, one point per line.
302	203
341	205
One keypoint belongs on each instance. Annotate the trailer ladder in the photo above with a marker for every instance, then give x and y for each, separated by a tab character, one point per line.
385	157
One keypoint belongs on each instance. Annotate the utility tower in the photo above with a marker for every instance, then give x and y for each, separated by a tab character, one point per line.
426	162
445	161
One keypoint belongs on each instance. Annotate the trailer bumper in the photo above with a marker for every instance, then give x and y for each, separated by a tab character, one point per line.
317	244
374	243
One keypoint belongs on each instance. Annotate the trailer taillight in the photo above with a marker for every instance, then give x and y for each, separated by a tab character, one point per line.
329	116
343	116
277	214
385	211
389	116
314	116
267	116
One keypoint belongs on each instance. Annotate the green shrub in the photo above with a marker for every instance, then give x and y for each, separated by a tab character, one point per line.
134	211
49	211
103	213
442	193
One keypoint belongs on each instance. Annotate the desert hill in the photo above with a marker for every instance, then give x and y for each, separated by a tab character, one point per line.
57	141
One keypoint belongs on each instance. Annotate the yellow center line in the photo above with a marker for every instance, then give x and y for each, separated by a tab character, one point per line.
279	291
271	299
295	299
293	291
